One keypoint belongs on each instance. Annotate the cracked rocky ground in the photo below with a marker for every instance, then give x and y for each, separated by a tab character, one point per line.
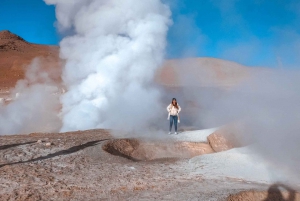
75	166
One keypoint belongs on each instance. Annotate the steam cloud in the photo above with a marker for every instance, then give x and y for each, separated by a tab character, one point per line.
111	58
35	104
266	111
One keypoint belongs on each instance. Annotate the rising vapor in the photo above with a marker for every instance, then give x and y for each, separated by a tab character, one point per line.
34	105
111	57
266	111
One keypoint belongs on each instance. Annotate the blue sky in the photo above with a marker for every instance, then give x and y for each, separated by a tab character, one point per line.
251	32
33	20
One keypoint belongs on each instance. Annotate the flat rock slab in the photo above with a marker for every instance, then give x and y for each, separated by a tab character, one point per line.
145	150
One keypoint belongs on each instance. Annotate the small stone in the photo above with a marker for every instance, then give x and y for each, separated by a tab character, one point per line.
48	144
39	141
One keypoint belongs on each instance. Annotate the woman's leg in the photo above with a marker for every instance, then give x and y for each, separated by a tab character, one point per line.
171	123
175	122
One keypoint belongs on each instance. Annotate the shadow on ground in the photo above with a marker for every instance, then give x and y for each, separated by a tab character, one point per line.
14	145
276	192
59	153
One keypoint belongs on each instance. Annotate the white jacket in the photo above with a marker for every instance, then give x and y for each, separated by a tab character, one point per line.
174	111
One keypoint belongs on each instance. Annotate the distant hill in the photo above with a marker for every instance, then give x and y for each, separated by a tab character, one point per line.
16	54
204	72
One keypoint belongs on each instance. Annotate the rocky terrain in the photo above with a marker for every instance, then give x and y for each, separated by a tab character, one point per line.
103	165
94	165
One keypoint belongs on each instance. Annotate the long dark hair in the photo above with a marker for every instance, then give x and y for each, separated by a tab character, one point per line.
175	105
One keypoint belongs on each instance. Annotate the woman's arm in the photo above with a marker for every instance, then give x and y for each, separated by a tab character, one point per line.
179	109
169	108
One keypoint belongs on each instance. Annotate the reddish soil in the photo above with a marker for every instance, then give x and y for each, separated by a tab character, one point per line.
16	54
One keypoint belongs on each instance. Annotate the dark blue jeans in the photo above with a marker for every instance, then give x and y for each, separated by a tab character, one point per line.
175	120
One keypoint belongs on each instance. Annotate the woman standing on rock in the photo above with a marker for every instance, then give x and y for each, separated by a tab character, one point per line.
173	110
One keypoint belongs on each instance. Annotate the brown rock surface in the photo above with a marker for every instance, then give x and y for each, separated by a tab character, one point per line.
145	150
224	139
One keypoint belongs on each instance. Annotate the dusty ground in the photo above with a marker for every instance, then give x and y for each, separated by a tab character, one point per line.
75	167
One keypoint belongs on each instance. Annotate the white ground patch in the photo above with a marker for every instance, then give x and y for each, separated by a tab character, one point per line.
239	163
194	136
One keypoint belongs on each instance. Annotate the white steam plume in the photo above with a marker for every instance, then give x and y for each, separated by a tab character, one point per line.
267	111
34	105
111	58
